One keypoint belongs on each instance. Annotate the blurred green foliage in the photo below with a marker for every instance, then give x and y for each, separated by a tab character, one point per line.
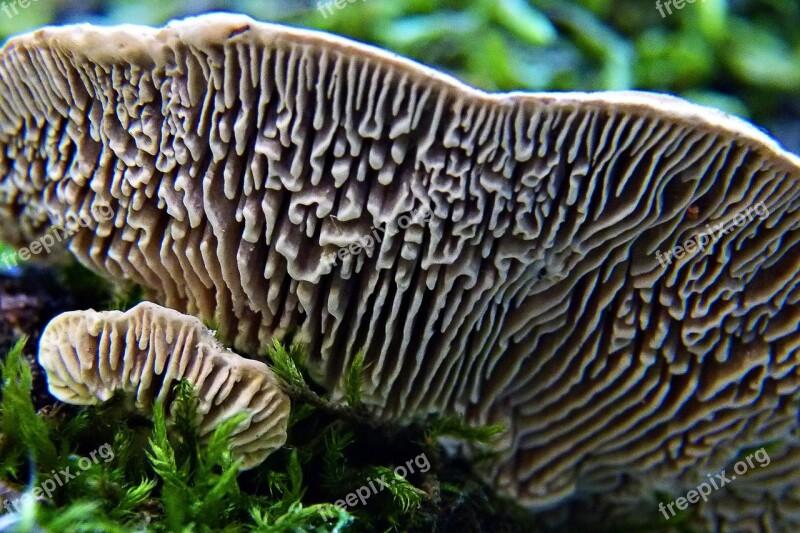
740	55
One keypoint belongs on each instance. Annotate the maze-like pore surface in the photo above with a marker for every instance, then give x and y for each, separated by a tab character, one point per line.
146	352
240	158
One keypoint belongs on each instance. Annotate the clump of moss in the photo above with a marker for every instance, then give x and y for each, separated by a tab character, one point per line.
161	477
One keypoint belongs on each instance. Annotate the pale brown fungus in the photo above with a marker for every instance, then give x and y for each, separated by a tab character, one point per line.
146	352
545	291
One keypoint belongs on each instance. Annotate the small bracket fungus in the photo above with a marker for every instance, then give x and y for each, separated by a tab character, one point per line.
146	351
549	290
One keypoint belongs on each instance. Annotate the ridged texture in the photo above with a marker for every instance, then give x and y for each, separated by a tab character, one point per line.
764	497
239	157
146	351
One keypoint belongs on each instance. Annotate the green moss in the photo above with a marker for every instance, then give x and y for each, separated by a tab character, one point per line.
161	475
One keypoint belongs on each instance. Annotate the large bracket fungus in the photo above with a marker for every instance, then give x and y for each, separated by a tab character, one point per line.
239	157
88	356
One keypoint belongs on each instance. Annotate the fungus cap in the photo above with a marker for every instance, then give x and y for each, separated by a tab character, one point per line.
260	176
88	356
